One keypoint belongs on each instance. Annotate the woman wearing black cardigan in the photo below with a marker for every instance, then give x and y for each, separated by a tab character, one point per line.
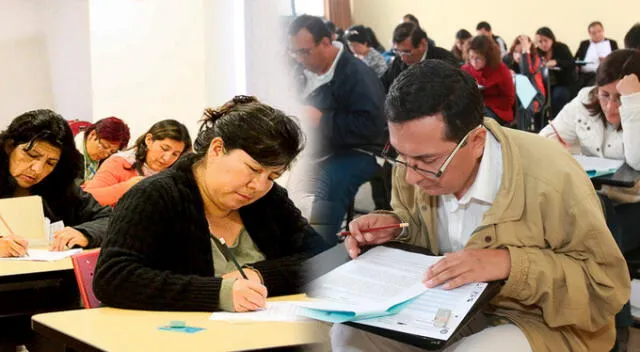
562	68
163	246
38	157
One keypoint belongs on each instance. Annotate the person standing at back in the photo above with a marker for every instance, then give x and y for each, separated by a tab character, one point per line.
344	101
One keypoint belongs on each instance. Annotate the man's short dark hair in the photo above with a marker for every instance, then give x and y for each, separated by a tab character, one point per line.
315	26
484	25
406	30
593	24
431	87
632	38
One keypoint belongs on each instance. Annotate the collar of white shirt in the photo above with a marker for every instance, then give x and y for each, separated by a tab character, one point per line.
485	187
315	80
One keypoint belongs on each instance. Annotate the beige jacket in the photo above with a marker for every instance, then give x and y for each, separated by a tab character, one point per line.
568	278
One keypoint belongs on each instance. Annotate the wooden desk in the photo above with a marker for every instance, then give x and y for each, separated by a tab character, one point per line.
111	329
28	288
14	268
624	177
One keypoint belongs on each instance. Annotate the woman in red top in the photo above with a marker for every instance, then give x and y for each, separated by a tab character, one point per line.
493	77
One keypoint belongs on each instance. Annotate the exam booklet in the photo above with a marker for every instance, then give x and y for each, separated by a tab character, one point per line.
378	283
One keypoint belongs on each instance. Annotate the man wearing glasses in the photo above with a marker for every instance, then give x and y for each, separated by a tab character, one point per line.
344	101
500	205
411	45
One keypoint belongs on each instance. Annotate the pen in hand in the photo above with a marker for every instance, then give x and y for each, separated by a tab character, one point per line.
558	135
229	255
394	226
13	235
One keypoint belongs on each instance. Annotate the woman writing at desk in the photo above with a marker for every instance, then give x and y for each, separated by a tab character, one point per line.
604	121
163	250
153	152
39	157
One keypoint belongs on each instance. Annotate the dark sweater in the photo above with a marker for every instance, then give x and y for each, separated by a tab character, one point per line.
567	75
157	254
352	108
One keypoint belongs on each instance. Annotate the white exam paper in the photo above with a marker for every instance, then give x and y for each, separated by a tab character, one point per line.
418	316
373	282
275	311
41	255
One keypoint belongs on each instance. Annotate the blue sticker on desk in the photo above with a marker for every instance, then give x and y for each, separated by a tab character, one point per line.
185	329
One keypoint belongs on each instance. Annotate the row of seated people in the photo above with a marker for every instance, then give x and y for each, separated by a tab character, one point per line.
160	243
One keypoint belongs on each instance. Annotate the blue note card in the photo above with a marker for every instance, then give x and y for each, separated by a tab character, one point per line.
184	329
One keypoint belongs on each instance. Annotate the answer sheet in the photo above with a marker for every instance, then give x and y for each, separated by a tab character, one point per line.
275	311
41	255
596	164
377	280
435	314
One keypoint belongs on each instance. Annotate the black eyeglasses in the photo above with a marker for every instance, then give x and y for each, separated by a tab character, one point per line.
426	173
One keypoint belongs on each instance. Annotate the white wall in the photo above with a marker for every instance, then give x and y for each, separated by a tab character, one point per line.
148	61
65	24
568	19
25	82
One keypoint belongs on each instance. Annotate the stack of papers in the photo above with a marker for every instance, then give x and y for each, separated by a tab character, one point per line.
595	166
373	285
384	288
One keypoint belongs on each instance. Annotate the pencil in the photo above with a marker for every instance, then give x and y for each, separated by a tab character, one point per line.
558	134
229	255
394	226
26	254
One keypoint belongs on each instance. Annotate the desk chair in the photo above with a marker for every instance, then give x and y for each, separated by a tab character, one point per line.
545	112
84	265
78	126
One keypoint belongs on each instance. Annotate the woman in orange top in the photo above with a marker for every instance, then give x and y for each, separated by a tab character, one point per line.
153	152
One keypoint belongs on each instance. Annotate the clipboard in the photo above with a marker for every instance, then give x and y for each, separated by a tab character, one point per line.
422	341
25	216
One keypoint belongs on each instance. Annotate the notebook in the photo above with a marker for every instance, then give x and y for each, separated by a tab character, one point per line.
25	216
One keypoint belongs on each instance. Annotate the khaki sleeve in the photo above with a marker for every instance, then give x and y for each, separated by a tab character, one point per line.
403	203
582	279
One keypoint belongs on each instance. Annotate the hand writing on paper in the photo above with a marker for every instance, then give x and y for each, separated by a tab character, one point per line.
358	239
13	246
313	115
469	265
628	85
251	274
67	238
248	295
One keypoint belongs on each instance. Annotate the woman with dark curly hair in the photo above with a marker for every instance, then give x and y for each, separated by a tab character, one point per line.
38	157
